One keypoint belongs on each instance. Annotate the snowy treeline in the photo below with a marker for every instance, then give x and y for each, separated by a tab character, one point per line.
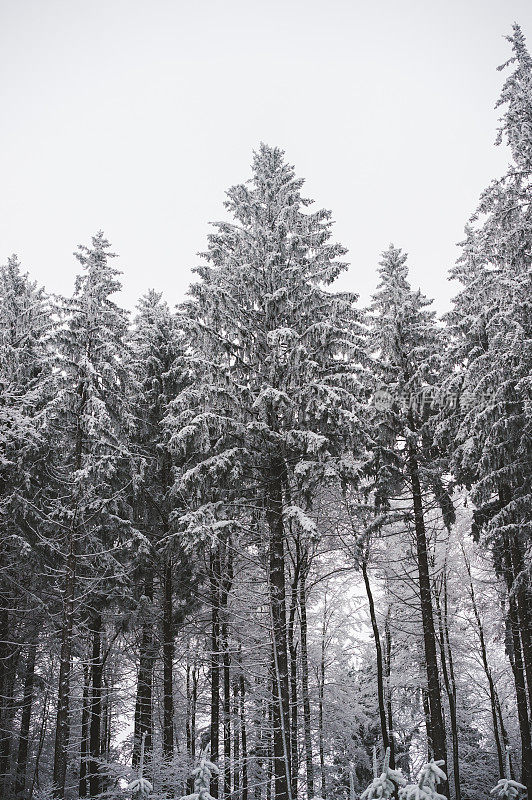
265	532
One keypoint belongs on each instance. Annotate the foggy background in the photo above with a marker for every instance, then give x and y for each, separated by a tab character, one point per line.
135	117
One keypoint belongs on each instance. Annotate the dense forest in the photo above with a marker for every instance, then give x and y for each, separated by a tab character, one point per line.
266	543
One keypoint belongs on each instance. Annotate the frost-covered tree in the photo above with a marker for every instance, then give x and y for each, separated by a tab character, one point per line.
25	392
276	408
92	471
492	359
385	783
406	345
157	362
425	788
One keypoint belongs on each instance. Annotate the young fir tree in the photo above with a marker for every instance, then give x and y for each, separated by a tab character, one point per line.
93	472
404	462
426	787
277	406
491	323
25	391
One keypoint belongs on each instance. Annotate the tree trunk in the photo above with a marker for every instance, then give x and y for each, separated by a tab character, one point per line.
305	687
292	649
143	708
524	611
226	584
27	703
62	729
321	691
437	729
450	685
215	665
236	739
516	658
281	697
85	724
243	737
96	707
378	653
168	660
387	676
487	670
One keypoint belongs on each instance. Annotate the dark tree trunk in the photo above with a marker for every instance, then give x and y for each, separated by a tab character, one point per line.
379	660
215	664
522	594
292	649
62	730
321	692
85	724
450	685
168	660
305	687
96	707
437	728
8	714
226	584
143	707
487	671
243	737
27	703
236	739
516	658
281	697
387	676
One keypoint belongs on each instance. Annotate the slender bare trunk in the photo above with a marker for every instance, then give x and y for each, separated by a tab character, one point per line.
379	660
168	661
281	705
309	762
437	728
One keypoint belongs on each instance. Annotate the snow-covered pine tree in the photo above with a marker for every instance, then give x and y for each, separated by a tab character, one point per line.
276	410
406	344
157	362
425	788
506	788
491	323
385	782
92	471
202	775
25	391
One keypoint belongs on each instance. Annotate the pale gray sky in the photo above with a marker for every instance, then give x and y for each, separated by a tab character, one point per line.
134	116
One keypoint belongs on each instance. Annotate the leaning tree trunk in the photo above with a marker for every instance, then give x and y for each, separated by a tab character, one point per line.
387	676
378	654
487	670
437	729
281	692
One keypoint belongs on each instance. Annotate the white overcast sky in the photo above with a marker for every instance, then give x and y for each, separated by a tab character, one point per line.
134	116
